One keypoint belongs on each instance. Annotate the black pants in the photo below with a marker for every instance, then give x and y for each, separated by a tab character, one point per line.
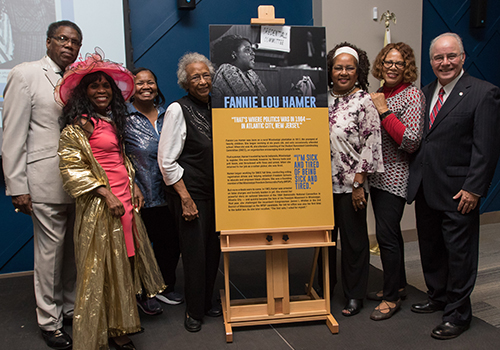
449	251
355	249
388	209
200	248
160	224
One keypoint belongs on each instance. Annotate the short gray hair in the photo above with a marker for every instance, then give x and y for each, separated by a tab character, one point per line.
453	35
187	59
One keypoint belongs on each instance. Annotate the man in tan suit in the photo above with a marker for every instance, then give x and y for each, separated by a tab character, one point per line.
31	169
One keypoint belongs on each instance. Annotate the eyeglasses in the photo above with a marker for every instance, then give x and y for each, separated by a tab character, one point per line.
398	64
63	40
349	69
197	78
450	57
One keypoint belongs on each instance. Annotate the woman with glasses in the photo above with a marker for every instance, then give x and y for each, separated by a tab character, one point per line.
400	106
235	76
185	156
355	152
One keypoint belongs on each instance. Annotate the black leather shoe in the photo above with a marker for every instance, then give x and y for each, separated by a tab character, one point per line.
191	324
353	307
57	339
215	311
426	307
127	346
448	330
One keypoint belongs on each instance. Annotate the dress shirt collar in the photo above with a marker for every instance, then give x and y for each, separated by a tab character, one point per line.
54	65
448	88
158	122
132	110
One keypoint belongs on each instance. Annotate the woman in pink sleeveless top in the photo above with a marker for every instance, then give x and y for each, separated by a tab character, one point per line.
115	261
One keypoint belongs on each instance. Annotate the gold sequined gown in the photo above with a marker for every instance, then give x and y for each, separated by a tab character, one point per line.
105	303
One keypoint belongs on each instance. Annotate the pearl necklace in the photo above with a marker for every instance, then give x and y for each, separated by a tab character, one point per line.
342	95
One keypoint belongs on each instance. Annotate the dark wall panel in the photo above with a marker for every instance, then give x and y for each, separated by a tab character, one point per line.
481	47
16	238
161	33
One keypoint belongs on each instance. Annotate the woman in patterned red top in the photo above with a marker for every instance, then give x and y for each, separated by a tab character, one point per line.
400	105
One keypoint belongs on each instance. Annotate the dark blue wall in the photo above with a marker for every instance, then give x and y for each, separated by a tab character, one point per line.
16	238
482	49
161	33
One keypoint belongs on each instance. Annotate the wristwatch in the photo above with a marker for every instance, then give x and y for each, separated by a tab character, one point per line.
357	185
385	114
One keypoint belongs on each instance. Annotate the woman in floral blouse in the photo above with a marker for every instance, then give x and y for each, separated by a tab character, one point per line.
400	105
356	151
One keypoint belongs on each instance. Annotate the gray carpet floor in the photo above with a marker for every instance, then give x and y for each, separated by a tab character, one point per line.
406	330
486	296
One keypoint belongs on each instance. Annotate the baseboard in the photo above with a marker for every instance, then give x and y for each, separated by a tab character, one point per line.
490	218
408	236
411	234
16	274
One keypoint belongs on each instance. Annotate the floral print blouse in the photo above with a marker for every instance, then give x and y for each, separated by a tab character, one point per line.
355	139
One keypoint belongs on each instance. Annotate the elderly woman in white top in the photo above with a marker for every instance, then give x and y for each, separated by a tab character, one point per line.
356	151
185	158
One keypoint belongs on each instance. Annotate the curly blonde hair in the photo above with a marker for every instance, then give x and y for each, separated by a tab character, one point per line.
410	73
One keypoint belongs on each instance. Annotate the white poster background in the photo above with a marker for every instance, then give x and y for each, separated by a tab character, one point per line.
275	38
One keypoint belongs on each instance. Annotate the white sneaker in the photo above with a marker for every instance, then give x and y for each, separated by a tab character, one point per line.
171	298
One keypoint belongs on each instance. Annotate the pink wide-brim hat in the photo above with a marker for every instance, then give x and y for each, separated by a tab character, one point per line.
94	62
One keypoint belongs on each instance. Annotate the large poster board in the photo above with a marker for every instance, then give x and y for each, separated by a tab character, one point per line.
270	128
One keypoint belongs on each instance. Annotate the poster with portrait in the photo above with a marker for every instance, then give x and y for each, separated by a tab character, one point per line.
270	128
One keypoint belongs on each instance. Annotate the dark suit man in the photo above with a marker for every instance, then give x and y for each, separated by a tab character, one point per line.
31	169
448	174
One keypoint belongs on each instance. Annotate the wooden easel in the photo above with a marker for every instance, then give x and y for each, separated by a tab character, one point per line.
279	306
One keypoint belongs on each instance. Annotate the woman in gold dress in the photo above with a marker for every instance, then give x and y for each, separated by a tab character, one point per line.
113	254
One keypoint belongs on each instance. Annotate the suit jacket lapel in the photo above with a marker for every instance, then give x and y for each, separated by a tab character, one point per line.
52	76
460	90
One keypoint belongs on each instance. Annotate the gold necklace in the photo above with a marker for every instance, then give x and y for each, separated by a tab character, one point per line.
342	95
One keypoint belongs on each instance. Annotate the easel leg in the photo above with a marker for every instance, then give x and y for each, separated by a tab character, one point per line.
278	295
226	301
326	277
313	272
332	324
227	325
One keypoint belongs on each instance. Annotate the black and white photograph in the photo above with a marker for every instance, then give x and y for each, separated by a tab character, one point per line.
268	62
23	26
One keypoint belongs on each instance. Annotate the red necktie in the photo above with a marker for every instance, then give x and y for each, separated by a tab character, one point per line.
437	107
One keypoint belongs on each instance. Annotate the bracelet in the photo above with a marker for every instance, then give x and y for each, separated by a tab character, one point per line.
385	114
